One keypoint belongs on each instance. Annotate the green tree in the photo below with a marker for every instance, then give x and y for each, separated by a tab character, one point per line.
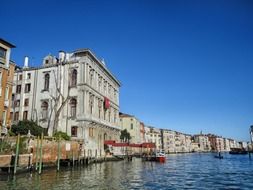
63	135
125	136
23	127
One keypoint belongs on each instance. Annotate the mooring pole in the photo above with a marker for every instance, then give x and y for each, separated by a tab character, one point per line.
41	141
37	153
73	158
16	155
58	158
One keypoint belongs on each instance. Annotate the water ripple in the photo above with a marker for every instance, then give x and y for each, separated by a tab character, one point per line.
181	171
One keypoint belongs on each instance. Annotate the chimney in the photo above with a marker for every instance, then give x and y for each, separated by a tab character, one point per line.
61	56
26	62
103	61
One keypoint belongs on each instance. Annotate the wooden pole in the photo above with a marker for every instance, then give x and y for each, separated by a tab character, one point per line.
37	153
41	152
73	158
59	154
16	155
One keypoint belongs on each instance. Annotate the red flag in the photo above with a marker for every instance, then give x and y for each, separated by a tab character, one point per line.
106	103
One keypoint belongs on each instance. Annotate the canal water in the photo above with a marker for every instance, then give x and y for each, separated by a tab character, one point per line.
181	171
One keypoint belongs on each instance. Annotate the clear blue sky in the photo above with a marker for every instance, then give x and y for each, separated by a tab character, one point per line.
184	65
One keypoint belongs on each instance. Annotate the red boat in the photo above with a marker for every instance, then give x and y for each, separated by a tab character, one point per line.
160	156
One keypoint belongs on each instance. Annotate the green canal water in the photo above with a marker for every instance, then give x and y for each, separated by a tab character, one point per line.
181	171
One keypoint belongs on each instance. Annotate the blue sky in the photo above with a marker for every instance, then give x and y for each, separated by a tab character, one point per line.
184	65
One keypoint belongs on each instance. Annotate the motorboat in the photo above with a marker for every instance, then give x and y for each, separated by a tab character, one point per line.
160	156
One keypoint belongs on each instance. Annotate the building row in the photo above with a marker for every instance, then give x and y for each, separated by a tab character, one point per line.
74	92
173	141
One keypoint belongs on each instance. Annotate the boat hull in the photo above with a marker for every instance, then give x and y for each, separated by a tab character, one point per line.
160	159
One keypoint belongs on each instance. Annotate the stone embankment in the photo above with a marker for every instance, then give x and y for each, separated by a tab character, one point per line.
47	153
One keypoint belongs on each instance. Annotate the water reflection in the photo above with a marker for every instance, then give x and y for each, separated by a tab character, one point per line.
182	171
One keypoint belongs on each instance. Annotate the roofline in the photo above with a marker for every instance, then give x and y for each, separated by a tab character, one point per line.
7	43
101	64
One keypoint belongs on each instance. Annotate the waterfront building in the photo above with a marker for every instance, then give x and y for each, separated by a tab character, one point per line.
142	132
220	144
169	141
243	145
188	141
6	79
132	125
203	141
147	136
226	145
73	93
216	142
155	137
182	142
195	147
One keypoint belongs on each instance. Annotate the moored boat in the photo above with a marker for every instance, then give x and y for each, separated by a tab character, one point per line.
160	156
238	151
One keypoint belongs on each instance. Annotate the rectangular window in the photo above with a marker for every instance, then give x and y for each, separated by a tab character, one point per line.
11	115
74	131
18	89
20	77
4	118
2	52
12	100
25	114
132	126
17	103
16	116
28	75
91	132
26	103
27	88
6	93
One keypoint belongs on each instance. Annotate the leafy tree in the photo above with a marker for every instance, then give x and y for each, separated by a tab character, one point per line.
62	135
125	136
23	127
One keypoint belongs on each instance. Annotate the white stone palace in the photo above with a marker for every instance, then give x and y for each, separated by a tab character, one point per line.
74	93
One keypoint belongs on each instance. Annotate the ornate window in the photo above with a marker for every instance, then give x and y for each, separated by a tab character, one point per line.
91	73
91	102
26	103
109	115
46	82
109	89
73	103
73	80
25	114
91	130
44	109
105	85
18	89
100	103
115	116
16	116
99	82
27	88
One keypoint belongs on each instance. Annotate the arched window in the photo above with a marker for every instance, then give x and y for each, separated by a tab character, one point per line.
46	82
73	107
44	108
73	78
